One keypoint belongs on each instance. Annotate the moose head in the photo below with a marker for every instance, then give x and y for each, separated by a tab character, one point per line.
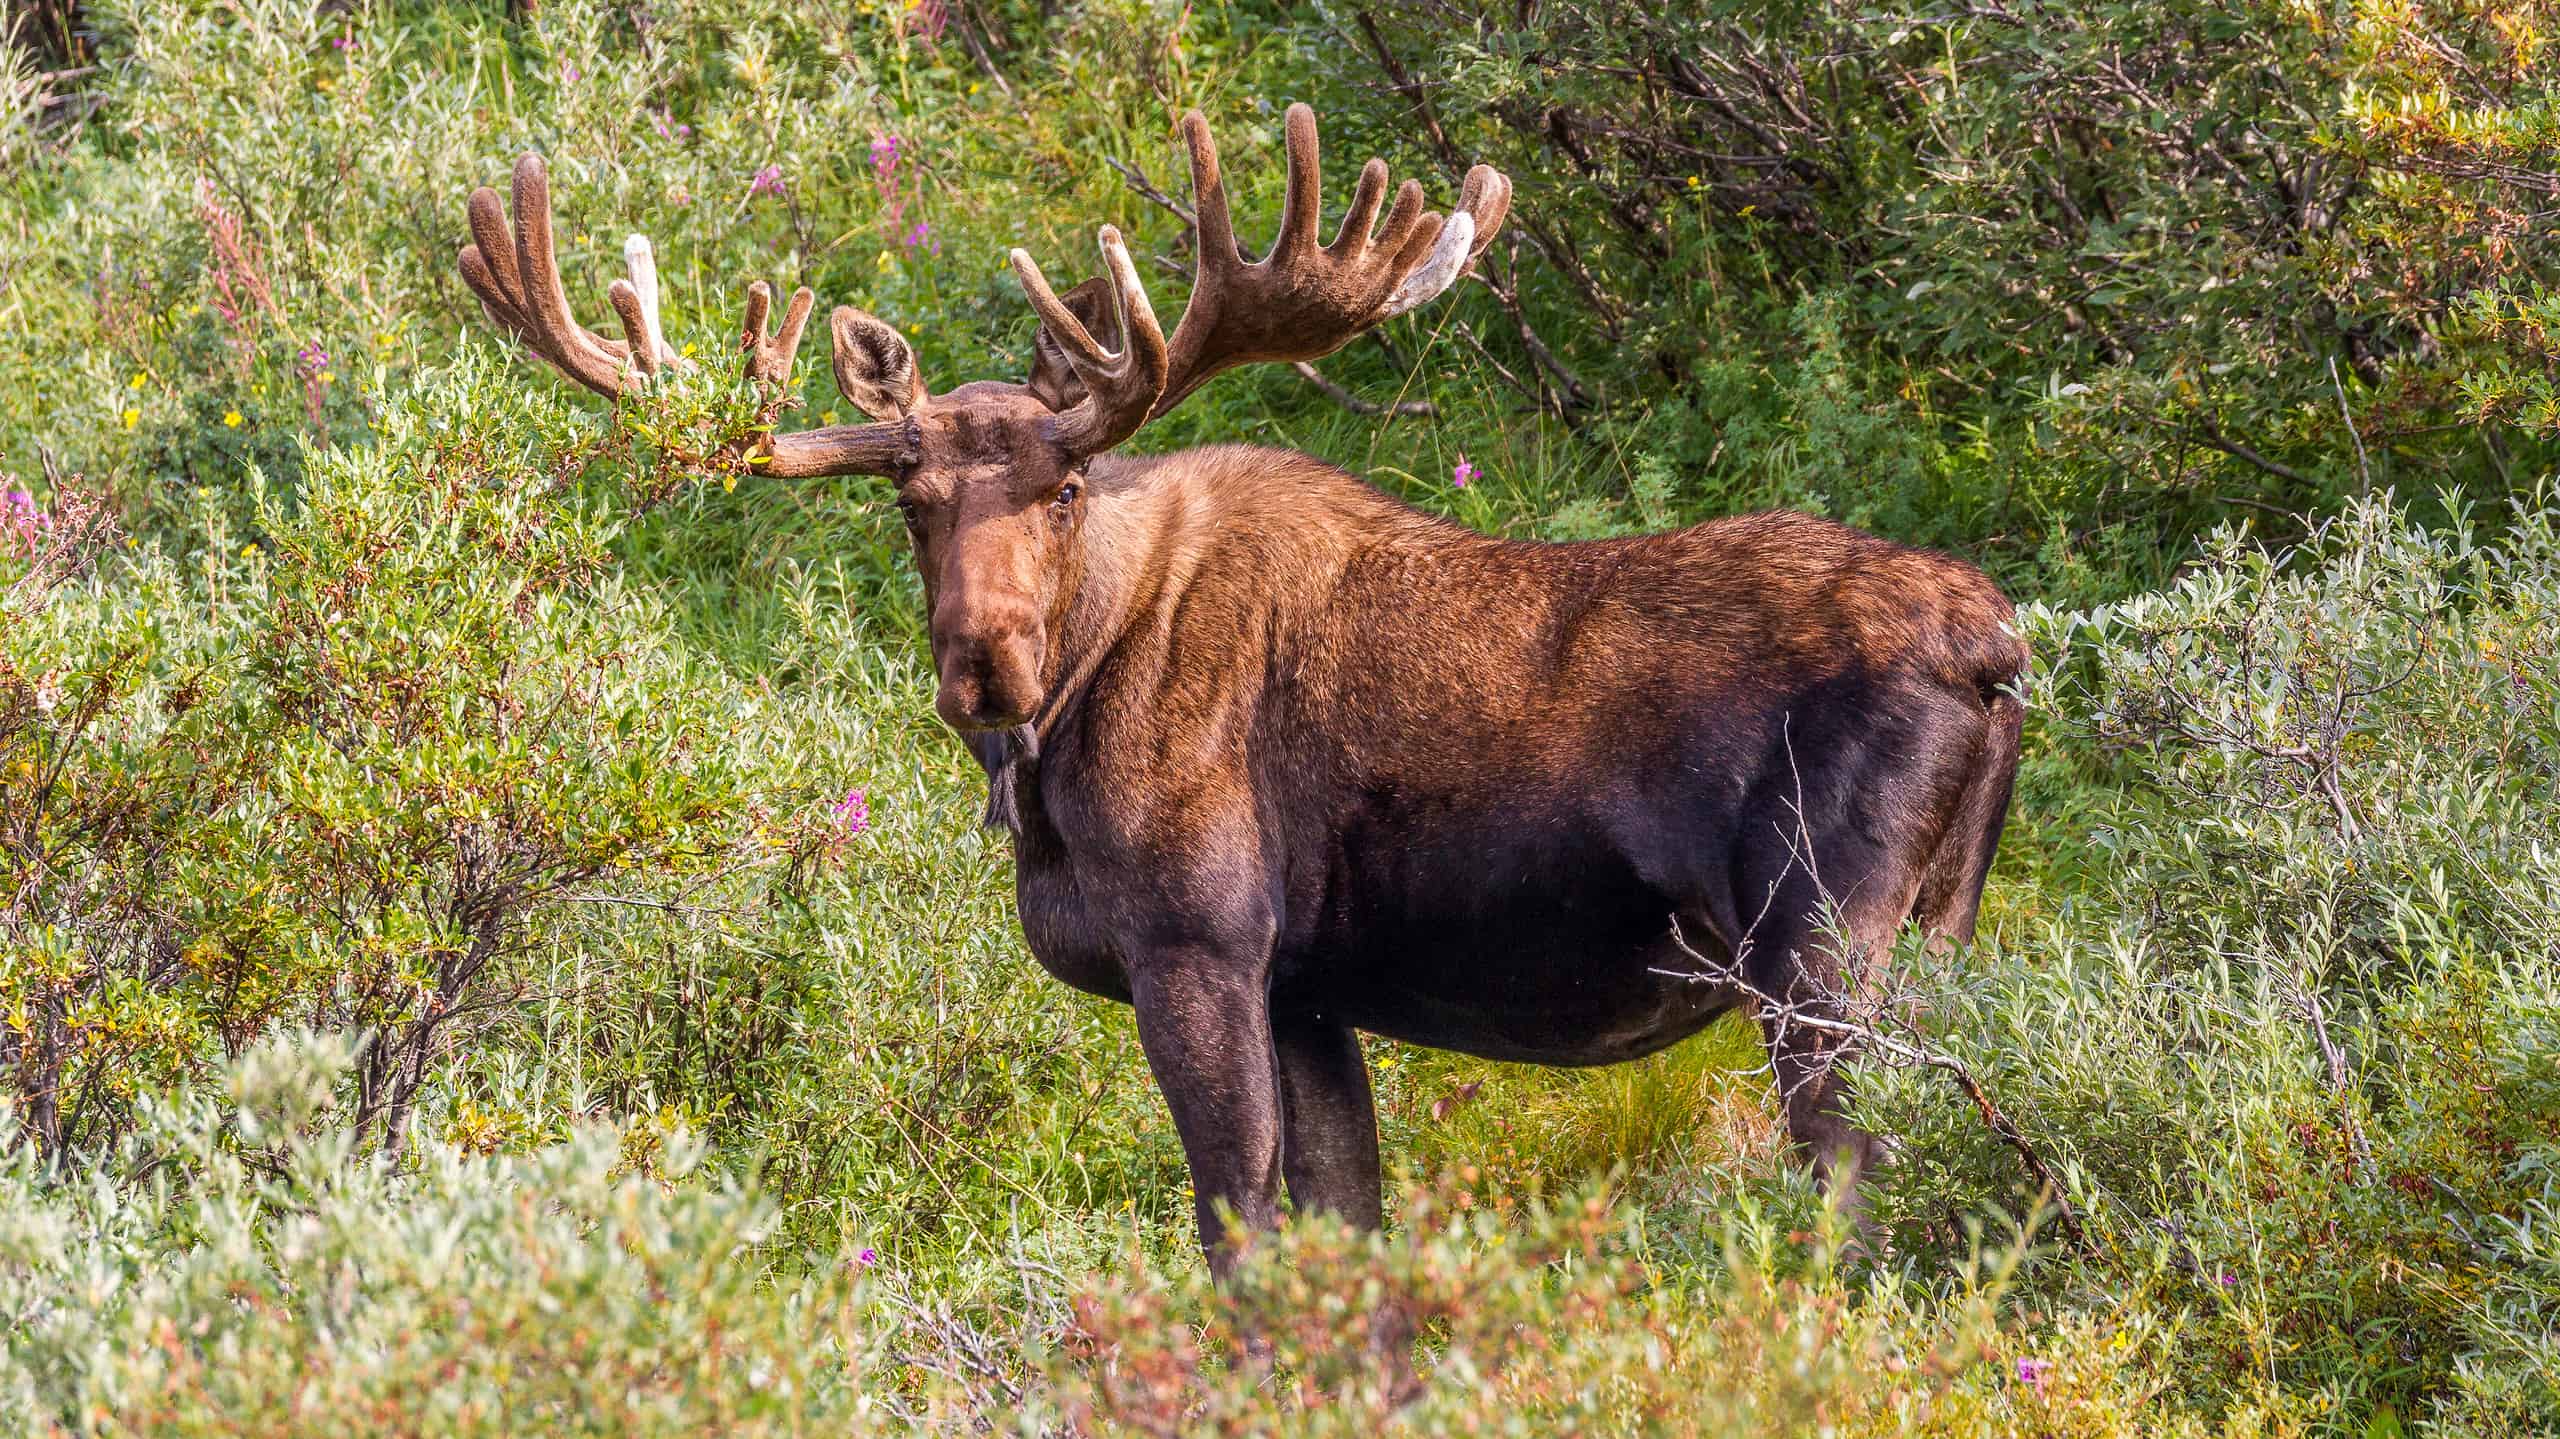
992	477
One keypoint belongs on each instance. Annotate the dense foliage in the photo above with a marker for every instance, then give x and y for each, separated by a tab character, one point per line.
493	939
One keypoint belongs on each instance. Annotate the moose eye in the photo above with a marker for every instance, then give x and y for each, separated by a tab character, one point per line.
1066	495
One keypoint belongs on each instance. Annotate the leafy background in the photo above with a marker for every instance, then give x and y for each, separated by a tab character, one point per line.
492	937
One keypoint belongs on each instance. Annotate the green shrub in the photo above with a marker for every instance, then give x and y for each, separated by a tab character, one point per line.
229	1270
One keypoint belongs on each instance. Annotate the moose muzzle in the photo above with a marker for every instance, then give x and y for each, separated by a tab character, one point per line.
990	676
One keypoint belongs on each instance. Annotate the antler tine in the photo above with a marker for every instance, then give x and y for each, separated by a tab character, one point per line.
1486	197
1120	390
1305	195
642	264
769	356
489	265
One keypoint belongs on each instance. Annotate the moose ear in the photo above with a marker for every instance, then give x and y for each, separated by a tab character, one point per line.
1053	381
875	367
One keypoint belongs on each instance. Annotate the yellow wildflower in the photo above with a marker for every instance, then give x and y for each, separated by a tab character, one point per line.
231	419
132	417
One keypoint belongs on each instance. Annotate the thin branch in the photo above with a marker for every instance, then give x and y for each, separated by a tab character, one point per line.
1896	1049
2210	435
1413	409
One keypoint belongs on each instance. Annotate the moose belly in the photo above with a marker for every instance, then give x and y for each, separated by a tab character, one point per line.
1556	955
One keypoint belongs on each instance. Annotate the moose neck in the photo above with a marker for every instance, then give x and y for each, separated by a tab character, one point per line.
1151	525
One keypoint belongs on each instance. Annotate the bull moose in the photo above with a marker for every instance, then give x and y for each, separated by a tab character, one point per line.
1285	760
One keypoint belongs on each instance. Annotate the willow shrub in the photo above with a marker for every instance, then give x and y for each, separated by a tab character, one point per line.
2293	1064
343	773
230	1270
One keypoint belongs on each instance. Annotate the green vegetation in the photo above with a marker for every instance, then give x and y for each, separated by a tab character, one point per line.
492	937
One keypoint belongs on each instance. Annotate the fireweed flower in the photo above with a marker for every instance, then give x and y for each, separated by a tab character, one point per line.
767	181
2032	1372
22	524
867	1258
852	813
884	156
310	360
921	238
1464	474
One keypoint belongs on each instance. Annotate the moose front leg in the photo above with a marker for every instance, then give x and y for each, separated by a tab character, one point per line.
1205	1023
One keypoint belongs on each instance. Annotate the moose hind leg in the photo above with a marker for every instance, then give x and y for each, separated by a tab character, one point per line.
1329	1139
1811	964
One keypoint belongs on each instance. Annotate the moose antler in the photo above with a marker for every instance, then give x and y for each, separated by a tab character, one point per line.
516	274
1298	302
1304	300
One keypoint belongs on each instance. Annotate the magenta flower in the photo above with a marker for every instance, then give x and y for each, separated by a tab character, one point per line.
921	238
767	181
867	1258
1464	474
2230	1280
22	524
2032	1372
853	812
668	129
884	156
310	360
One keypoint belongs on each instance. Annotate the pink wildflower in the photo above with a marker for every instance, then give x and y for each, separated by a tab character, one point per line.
1464	474
852	813
2032	1372
767	181
22	524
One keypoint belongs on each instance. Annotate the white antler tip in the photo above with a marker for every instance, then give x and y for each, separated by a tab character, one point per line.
635	248
1441	270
